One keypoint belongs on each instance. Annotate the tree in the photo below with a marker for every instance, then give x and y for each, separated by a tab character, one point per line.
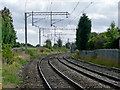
59	42
67	45
48	43
8	32
111	36
55	45
83	32
96	41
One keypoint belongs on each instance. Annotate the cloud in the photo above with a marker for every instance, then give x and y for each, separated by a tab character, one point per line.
101	12
97	16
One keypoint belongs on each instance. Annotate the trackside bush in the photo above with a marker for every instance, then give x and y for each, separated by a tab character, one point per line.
7	53
76	54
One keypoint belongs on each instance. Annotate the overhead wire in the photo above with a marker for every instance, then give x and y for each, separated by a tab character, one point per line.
81	12
75	7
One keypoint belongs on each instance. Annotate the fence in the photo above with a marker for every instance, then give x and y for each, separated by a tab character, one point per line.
110	54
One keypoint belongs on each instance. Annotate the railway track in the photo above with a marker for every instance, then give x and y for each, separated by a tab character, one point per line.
94	71
109	68
53	78
112	81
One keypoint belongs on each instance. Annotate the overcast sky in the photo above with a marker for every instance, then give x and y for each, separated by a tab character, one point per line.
101	13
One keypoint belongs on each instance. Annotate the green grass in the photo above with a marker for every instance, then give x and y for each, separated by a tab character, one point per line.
29	48
99	61
0	75
9	72
0	68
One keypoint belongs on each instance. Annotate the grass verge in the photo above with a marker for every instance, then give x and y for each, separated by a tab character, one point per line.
99	61
10	72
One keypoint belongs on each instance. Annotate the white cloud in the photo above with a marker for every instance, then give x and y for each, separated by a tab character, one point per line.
99	29
29	31
20	31
97	16
102	12
10	1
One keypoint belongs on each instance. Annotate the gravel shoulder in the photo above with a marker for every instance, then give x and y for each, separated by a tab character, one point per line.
29	76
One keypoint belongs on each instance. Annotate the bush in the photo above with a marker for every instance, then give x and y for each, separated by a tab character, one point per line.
7	53
76	54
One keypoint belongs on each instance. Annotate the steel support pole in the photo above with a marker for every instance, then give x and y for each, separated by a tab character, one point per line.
54	35
40	37
51	18
25	33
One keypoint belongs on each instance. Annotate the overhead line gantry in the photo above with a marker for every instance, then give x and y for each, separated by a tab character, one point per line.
51	14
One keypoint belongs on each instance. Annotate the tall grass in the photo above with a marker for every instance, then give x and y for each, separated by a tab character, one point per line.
10	72
102	61
98	60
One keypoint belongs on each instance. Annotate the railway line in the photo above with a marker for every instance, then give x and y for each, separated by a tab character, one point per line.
95	65
103	78
93	70
59	71
53	78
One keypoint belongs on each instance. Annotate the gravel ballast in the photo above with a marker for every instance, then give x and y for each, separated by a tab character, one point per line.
30	77
78	78
52	77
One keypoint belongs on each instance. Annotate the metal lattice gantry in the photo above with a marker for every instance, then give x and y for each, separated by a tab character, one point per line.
51	14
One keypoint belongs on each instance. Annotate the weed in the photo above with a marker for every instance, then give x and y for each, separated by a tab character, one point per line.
100	61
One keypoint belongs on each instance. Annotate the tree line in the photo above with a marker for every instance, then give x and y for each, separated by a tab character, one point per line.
87	40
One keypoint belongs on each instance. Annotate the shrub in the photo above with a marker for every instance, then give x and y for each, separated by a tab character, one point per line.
76	54
7	53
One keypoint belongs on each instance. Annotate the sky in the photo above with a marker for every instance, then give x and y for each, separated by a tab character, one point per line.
101	13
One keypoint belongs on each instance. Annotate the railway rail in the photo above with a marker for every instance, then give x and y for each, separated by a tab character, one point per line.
58	71
56	79
94	71
109	68
112	81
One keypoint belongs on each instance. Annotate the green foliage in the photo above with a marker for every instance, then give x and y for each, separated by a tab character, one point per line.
96	41
48	44
107	40
111	37
7	53
67	45
55	46
59	42
83	31
76	54
17	44
21	60
9	74
0	32
8	32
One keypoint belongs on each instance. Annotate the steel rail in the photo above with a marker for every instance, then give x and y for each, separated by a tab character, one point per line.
94	71
112	68
90	76
75	85
43	77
